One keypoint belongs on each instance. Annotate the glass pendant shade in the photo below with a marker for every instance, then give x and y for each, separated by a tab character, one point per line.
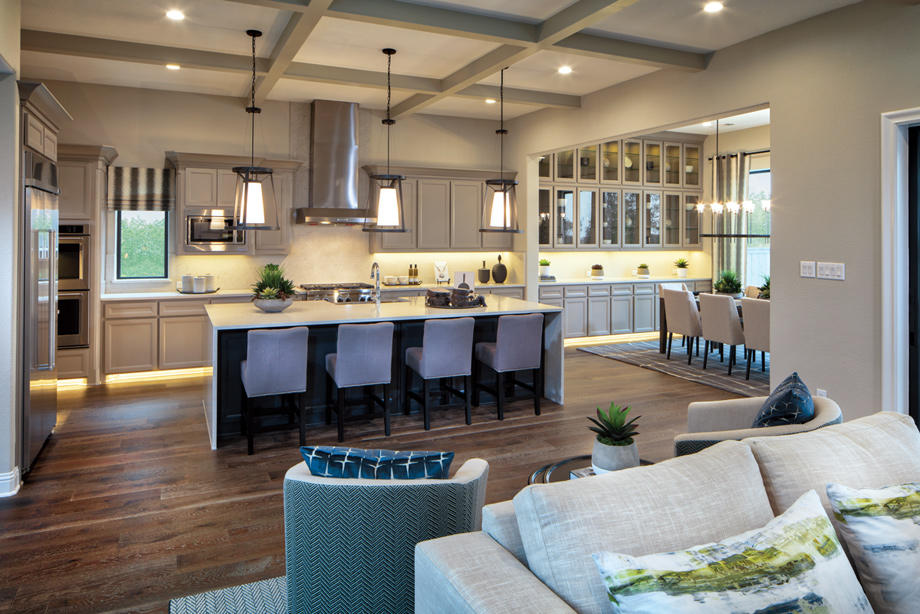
499	212
254	206
386	206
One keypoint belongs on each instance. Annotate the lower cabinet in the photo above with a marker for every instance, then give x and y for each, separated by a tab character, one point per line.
599	315
130	345
183	342
621	313
512	292
576	317
644	313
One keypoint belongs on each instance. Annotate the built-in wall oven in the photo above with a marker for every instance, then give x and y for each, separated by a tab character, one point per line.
212	230
73	319
73	286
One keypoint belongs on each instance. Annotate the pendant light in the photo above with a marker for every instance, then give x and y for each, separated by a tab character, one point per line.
716	205
499	209
386	203
254	205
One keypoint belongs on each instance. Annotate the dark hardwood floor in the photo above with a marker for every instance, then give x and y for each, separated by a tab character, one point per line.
128	507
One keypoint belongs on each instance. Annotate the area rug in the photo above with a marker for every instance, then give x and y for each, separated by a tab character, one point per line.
645	354
262	597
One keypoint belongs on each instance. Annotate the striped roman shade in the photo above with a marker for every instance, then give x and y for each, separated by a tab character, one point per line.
144	189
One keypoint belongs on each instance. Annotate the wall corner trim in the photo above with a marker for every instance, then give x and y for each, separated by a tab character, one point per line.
10	483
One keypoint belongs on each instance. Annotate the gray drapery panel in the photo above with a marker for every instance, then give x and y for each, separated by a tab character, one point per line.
141	189
731	185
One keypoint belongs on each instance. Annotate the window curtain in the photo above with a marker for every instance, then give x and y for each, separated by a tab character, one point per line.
730	184
133	188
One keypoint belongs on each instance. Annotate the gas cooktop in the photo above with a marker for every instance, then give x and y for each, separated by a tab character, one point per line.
352	292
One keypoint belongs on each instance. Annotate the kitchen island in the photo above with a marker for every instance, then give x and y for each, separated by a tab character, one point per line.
229	323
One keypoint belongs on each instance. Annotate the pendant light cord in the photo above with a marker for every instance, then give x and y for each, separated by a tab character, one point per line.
389	121
501	131
252	93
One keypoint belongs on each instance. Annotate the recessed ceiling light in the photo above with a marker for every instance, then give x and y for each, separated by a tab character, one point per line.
491	101
713	7
707	124
173	67
565	70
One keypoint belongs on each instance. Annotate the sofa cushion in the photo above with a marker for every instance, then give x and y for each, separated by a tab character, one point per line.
793	564
870	452
881	529
500	523
342	462
674	504
789	403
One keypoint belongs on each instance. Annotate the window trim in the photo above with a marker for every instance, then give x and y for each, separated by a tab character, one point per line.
118	276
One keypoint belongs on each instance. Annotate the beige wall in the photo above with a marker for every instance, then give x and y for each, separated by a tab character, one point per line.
826	80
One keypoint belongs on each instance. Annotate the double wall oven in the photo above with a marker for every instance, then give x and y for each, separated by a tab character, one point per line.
73	286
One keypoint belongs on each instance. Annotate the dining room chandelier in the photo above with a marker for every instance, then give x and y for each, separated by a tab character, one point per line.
499	207
254	203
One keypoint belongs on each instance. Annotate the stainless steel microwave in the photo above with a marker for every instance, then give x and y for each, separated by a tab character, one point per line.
213	233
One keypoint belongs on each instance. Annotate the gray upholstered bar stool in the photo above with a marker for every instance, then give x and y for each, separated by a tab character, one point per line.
518	347
363	358
446	352
275	365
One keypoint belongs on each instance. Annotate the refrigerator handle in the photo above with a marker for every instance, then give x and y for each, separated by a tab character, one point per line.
53	298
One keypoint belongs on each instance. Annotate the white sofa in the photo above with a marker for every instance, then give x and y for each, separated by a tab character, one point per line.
534	553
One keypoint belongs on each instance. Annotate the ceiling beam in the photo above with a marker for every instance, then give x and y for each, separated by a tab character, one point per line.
281	5
639	53
576	17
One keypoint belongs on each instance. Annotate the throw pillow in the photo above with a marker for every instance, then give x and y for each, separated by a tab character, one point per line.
340	462
793	564
789	403
881	529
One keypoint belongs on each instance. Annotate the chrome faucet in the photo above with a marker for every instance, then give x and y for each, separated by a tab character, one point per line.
375	275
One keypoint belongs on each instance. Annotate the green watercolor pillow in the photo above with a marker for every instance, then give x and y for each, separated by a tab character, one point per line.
881	529
793	564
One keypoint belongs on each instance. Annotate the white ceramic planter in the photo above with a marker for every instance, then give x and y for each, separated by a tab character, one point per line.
273	305
544	271
606	458
681	273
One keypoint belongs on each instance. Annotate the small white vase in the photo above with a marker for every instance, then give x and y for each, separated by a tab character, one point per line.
606	458
273	305
681	273
544	271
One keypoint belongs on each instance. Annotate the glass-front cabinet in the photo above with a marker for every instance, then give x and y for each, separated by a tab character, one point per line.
545	200
587	163
610	218
587	218
545	167
565	165
691	166
610	161
632	162
652	163
652	219
565	218
671	215
632	218
672	171
692	219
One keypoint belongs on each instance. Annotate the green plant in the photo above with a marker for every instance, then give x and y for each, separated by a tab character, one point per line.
642	266
728	283
272	284
612	428
544	262
765	288
681	263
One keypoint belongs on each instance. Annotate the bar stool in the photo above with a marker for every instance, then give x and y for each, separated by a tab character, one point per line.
446	352
363	358
518	347
275	365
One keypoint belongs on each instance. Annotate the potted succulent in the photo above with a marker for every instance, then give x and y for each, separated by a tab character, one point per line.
597	271
272	292
642	270
614	446
765	288
728	283
680	267
544	267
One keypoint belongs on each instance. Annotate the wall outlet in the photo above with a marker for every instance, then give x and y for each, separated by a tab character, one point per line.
806	268
832	270
821	392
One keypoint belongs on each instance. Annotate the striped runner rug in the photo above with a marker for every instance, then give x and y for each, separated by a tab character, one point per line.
262	597
645	354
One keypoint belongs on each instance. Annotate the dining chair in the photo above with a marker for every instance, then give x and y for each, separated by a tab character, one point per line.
721	324
683	319
672	285
756	331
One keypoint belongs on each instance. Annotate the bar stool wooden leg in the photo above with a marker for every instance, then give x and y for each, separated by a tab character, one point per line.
302	418
670	341
763	361
689	350
340	414
330	384
477	375
500	394
537	392
426	393
467	393
406	386
748	354
386	410
705	354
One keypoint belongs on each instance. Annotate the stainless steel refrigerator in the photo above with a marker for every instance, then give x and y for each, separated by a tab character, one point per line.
39	303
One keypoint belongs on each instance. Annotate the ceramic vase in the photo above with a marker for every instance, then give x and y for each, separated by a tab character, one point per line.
273	305
499	272
606	458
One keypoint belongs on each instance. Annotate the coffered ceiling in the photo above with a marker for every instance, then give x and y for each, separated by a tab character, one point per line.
449	52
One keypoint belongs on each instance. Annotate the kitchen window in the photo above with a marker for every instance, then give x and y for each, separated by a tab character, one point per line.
141	244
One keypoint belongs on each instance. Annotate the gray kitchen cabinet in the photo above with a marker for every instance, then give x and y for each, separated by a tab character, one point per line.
621	313
545	211
183	342
651	221
433	213
555	302
404	240
576	317
671	213
201	187
564	207
672	164
465	207
644	308
632	218
599	315
271	242
130	345
586	235
512	292
81	172
691	164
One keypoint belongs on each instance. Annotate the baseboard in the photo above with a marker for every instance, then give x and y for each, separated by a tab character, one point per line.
9	483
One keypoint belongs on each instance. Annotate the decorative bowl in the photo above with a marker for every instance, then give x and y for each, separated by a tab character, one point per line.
272	305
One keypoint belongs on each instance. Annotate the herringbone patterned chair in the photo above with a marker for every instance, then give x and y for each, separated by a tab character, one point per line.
350	543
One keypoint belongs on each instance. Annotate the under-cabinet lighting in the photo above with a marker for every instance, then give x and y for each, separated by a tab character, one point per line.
491	101
76	382
175	15
148	376
565	70
713	7
173	67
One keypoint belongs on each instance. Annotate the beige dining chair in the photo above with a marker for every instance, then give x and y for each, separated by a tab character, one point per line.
683	319
721	324
756	331
673	285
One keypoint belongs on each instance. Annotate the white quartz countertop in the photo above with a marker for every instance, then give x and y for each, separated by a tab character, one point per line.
616	280
306	313
153	296
386	288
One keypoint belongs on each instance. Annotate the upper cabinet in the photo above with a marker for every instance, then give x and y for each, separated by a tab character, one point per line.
565	165
545	212
610	161
652	163
632	162
672	167
81	173
545	167
692	166
587	164
587	218
564	218
42	117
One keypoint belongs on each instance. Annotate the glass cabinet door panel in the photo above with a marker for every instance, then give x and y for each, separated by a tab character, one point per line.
610	161
610	218
565	164
632	161
565	218
652	220
691	220
631	219
652	162
672	219
672	164
546	216
545	166
587	218
691	165
587	163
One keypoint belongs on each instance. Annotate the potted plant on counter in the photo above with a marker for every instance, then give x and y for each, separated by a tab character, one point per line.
614	446
680	267
765	288
597	271
272	292
642	271
544	267
728	283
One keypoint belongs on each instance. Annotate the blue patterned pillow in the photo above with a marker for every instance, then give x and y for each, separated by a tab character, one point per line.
340	462
789	403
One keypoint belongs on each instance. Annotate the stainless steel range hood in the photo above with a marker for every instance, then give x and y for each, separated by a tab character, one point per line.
333	165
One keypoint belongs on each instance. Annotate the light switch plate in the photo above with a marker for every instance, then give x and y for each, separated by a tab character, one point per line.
806	268
832	270
821	392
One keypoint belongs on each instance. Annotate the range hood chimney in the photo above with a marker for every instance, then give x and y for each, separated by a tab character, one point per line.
333	165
